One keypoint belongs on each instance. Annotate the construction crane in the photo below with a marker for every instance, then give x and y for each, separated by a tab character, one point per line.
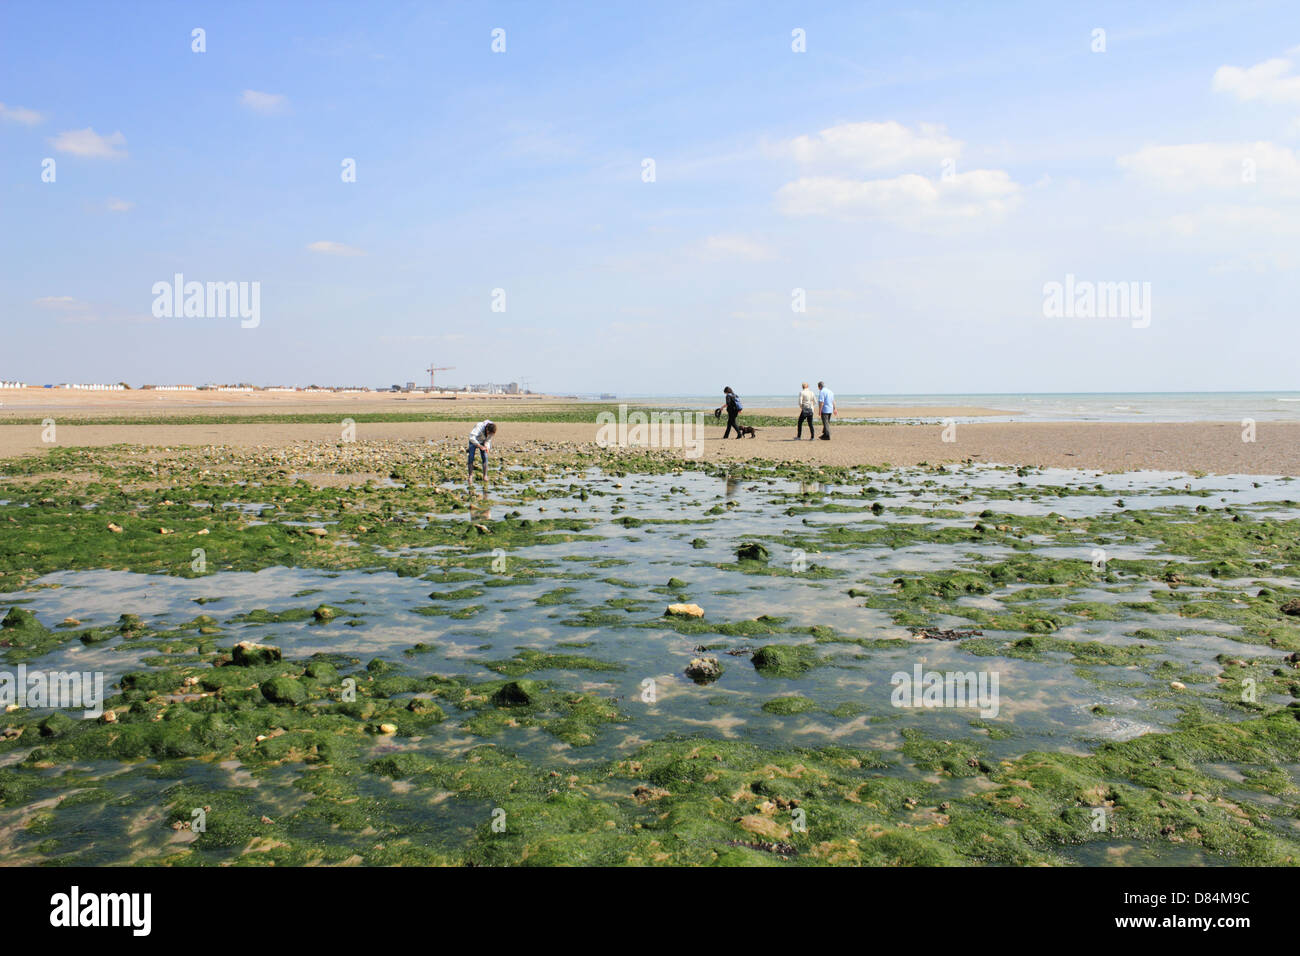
439	368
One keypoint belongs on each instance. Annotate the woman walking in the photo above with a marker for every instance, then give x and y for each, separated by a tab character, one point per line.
734	408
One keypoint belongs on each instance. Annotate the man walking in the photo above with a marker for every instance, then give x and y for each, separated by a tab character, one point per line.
807	402
826	398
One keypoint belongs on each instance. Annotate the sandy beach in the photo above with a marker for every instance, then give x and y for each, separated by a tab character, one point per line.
1212	447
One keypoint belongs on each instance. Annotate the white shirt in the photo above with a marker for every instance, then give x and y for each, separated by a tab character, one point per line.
807	400
479	435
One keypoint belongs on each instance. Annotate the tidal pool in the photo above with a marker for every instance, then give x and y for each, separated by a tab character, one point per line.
1093	611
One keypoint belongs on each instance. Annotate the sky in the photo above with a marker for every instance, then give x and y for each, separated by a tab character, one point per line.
655	198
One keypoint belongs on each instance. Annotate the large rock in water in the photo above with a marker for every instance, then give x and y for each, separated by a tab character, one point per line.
703	670
684	610
784	660
752	551
248	654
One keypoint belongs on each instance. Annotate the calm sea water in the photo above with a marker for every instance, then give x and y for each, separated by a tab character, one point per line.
1062	407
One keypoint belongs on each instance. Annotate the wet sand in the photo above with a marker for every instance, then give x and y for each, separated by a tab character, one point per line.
1211	447
140	403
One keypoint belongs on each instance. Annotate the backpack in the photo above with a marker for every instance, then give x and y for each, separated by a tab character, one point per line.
735	402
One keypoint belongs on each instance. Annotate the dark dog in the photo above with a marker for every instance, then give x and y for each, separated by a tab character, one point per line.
744	430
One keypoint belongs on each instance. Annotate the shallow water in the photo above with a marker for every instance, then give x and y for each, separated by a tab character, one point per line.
1050	704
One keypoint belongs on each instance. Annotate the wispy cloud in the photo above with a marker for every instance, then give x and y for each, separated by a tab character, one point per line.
874	146
325	247
1187	167
19	114
119	205
1271	81
909	201
265	103
89	144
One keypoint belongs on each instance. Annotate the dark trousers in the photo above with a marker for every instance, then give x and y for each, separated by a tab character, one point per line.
805	415
731	423
826	424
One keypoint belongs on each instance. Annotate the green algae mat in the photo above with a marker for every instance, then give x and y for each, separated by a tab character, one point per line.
924	666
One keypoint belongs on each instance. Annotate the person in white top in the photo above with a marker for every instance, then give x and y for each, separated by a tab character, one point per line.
807	402
480	441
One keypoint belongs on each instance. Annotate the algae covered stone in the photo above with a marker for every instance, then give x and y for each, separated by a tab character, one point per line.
20	618
56	725
517	693
752	551
325	613
249	654
784	660
284	690
322	671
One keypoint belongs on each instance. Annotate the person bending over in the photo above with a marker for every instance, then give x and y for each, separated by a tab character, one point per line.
480	442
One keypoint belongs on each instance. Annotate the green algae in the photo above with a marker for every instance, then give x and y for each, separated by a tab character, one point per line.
786	660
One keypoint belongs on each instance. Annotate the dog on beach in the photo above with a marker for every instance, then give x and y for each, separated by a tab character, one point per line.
744	430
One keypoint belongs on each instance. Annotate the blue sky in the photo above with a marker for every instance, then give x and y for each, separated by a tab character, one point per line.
920	172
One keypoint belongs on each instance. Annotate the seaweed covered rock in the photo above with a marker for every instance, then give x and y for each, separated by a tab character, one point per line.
752	551
517	693
322	671
20	619
56	725
784	660
249	654
284	690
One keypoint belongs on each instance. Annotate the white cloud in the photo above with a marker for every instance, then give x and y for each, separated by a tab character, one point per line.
735	247
119	205
17	114
325	247
87	143
1271	81
909	201
1265	166
267	103
874	146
